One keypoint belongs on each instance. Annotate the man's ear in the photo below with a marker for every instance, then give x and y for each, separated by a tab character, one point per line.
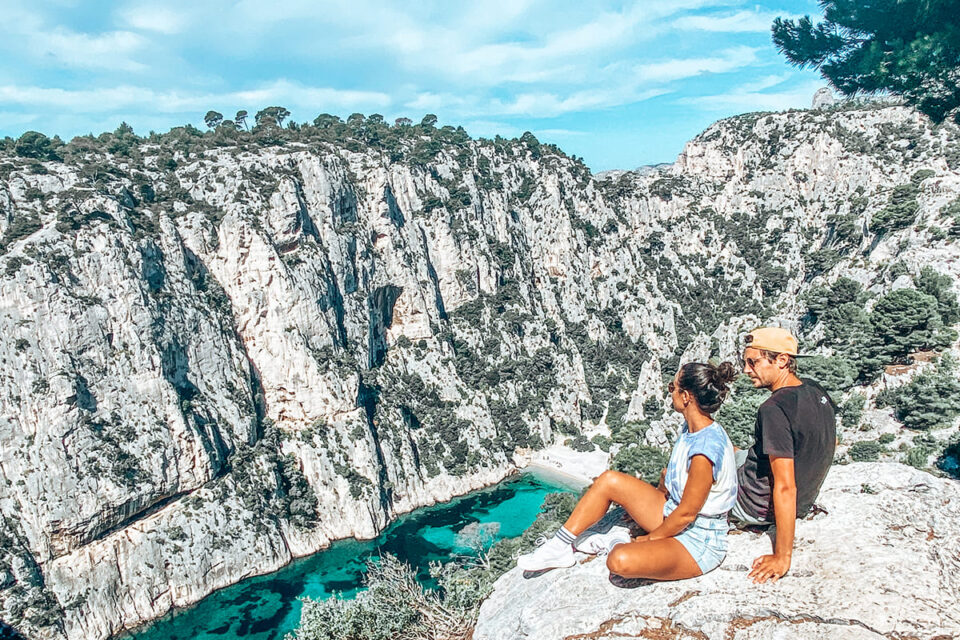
782	360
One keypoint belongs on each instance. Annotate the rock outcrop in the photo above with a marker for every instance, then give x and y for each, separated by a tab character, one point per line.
222	351
882	562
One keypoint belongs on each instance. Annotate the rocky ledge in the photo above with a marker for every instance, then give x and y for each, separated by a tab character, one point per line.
882	561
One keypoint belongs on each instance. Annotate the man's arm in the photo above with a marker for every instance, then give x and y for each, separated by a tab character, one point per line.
771	567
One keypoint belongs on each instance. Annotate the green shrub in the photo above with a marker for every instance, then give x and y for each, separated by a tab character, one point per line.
900	211
653	407
940	286
393	603
642	461
929	401
904	321
918	456
952	212
820	300
603	442
20	228
921	175
867	451
34	144
835	374
630	433
851	411
580	443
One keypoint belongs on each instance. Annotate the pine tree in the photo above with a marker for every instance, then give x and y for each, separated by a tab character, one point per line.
908	47
906	320
940	286
213	119
930	400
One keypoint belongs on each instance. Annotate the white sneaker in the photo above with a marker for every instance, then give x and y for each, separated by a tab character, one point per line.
552	554
601	543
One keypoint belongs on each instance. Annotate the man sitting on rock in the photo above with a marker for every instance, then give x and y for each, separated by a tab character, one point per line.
794	440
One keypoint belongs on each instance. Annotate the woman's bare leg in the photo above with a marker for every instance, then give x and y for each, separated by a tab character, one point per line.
665	559
641	499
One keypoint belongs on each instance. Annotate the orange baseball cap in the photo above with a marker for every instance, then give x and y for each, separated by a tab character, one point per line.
772	339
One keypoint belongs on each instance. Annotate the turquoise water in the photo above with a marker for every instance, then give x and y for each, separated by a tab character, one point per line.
267	607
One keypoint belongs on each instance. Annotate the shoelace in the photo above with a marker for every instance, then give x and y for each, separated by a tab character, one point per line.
539	542
605	549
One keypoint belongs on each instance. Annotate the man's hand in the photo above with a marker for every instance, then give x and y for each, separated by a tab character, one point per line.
770	567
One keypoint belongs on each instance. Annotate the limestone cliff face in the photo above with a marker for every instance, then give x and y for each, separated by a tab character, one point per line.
219	355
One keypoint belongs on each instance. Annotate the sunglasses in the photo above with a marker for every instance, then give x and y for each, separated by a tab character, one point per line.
671	387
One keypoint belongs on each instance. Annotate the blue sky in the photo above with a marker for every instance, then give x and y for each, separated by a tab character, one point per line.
619	83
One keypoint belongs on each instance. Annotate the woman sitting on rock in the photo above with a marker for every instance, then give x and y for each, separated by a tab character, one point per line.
685	516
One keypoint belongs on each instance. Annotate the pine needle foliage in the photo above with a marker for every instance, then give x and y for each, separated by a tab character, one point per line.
910	48
930	401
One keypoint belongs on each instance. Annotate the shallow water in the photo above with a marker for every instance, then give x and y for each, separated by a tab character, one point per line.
267	607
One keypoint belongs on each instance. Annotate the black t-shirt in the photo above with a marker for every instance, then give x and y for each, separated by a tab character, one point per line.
794	422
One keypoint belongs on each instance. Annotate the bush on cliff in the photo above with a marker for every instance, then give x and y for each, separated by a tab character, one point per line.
901	322
835	374
907	320
900	211
641	461
930	401
866	451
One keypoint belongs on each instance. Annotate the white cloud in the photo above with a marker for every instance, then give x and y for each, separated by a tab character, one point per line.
752	97
556	53
739	22
119	98
154	18
110	50
28	39
539	104
546	105
680	68
615	85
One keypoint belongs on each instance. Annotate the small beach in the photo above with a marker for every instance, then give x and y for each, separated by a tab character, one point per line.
562	465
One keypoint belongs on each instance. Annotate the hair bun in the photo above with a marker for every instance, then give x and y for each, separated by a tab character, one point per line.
726	373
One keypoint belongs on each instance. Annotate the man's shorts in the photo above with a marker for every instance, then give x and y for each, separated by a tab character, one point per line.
738	515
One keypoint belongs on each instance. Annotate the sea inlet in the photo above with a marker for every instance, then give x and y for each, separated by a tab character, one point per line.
268	607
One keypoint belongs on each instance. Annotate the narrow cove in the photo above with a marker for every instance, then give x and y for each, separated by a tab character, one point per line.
267	607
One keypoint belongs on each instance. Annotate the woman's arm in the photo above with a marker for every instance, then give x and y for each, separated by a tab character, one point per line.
699	481
662	487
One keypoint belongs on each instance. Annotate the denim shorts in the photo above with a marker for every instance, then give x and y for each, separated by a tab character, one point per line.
705	539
